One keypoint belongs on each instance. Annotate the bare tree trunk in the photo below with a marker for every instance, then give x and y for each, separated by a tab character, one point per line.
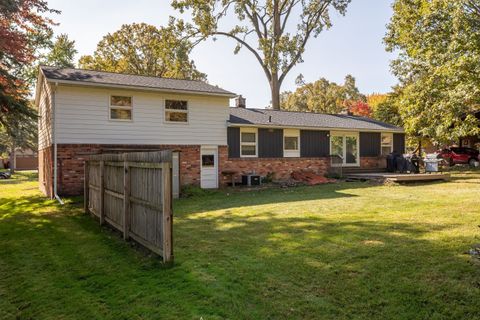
12	160
275	89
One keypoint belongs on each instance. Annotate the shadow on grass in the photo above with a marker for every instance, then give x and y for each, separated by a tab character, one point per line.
56	262
20	177
309	267
229	199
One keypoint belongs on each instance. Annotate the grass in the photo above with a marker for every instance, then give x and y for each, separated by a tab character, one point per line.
339	251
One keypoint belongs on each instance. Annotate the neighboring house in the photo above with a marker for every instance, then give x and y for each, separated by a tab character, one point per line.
25	159
89	112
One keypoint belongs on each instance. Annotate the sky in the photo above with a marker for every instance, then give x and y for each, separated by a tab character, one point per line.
352	46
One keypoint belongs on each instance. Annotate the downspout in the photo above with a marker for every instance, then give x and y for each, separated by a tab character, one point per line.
55	170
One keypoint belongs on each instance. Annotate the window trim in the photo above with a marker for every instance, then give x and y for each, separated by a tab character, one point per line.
249	130
175	110
382	145
110	107
291	133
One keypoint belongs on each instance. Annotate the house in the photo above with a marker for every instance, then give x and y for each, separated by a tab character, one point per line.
24	159
84	112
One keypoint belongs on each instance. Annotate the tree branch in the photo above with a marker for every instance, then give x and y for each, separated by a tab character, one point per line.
310	26
250	48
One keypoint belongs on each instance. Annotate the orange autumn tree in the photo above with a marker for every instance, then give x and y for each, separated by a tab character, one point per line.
22	29
360	108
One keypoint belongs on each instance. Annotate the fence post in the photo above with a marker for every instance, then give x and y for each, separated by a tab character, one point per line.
126	199
102	192
86	191
167	216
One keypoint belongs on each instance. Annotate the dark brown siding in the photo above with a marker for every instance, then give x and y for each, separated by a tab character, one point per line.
370	144
314	143
233	141
270	143
399	142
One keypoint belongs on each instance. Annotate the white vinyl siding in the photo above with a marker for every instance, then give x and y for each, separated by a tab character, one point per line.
82	117
44	116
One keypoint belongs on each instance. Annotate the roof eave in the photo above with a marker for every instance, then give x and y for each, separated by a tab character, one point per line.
278	126
40	78
142	88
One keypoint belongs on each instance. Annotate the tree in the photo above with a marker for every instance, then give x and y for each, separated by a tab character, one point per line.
62	53
360	108
322	96
22	133
276	32
22	30
59	53
144	49
387	111
376	99
439	48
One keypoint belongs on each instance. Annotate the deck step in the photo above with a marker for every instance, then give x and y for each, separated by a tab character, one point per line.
399	177
362	170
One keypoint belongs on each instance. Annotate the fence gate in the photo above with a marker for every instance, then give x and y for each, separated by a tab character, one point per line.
132	192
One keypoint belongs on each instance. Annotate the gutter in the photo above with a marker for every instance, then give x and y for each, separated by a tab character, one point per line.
141	88
55	169
278	126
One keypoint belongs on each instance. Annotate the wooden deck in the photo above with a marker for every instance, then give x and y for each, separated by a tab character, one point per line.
398	177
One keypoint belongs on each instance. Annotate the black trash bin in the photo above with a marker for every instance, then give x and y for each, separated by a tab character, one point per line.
391	162
400	164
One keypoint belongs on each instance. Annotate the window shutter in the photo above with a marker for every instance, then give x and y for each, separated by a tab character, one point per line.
233	141
399	142
270	143
314	144
370	144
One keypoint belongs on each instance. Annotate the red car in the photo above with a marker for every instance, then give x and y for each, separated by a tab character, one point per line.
457	155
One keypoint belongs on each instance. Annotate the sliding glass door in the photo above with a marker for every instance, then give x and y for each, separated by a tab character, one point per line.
344	148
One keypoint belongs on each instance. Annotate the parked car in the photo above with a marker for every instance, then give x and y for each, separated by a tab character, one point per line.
460	155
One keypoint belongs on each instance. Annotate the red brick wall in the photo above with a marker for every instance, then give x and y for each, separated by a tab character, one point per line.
71	158
45	171
281	167
373	162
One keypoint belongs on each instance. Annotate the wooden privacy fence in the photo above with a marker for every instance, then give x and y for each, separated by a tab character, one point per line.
132	192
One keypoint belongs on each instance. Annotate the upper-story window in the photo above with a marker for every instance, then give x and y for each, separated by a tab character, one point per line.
248	142
387	143
176	111
121	108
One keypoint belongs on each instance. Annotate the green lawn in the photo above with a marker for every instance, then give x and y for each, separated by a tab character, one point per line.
339	251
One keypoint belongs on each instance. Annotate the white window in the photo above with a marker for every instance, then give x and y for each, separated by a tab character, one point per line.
344	148
291	143
387	143
176	111
248	142
121	108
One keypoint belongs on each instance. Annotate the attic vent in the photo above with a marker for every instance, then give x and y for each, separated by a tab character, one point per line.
269	118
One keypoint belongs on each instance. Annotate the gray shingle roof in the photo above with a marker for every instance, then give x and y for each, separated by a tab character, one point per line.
129	80
246	116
